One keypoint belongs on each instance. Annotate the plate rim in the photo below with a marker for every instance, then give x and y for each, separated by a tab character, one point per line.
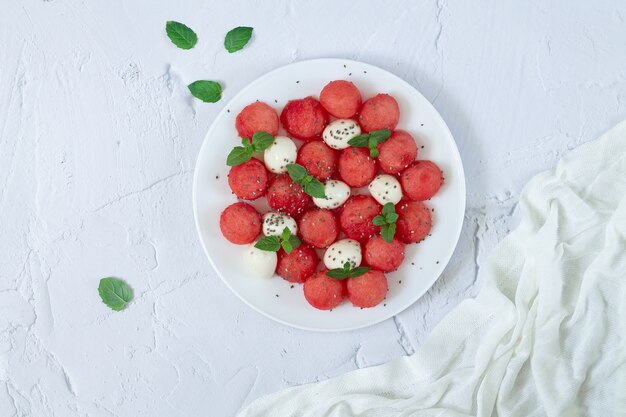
455	155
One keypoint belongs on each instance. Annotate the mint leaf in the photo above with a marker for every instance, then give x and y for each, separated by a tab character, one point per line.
297	172
358	271
311	185
391	218
115	293
337	273
238	156
387	222
207	91
237	38
273	243
359	141
371	140
261	141
388	208
378	221
269	244
294	241
181	35
314	188
388	231
347	272
381	135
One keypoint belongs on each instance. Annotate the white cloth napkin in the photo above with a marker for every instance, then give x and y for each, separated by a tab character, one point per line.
546	336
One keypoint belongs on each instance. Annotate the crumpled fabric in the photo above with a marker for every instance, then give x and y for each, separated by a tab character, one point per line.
546	336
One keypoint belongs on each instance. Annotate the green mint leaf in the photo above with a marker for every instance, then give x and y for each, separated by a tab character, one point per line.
347	272
379	221
358	271
288	241
337	273
372	142
237	38
311	186
391	218
115	293
388	232
268	244
181	35
314	188
294	241
286	246
261	141
388	208
381	135
238	156
207	91
359	141
297	172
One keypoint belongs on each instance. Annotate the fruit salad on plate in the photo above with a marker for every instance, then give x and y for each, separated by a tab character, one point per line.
346	192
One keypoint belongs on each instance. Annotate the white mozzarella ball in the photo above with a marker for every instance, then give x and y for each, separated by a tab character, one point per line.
280	153
260	263
274	223
385	189
337	192
338	133
342	251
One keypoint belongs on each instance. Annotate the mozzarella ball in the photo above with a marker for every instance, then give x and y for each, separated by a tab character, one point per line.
260	263
338	133
337	192
274	223
342	251
280	153
385	189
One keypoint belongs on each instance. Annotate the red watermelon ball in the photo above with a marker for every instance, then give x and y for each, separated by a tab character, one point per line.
240	223
379	112
341	99
323	292
304	118
257	117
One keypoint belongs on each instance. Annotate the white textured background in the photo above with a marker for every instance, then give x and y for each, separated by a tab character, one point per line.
98	139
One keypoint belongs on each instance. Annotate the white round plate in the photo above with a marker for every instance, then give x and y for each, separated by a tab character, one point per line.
275	297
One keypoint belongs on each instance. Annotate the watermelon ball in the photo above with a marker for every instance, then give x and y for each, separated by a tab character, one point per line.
356	167
323	292
240	223
341	99
414	221
367	290
249	180
421	180
379	112
298	265
286	196
319	160
397	152
356	215
256	117
304	118
383	255
318	228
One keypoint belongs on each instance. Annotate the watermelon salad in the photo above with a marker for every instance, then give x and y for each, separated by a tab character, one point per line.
345	188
